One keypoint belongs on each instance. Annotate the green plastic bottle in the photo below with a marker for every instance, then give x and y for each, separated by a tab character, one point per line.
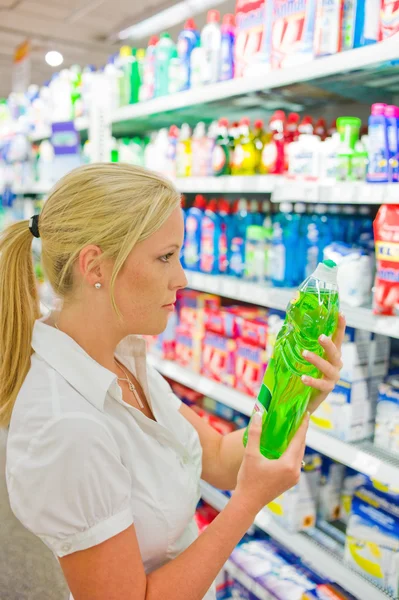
283	397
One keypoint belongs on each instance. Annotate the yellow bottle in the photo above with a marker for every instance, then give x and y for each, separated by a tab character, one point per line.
246	155
184	152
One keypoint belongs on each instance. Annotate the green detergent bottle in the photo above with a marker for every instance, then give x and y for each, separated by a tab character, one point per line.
283	397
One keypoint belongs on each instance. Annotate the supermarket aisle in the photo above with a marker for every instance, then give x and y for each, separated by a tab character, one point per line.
28	570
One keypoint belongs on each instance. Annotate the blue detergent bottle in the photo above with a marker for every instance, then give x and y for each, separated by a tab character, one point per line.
226	235
188	40
378	167
240	221
303	220
192	244
392	116
284	248
227	48
211	228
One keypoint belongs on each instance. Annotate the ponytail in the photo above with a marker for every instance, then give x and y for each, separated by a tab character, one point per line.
19	308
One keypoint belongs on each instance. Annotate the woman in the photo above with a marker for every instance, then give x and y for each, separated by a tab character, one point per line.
103	461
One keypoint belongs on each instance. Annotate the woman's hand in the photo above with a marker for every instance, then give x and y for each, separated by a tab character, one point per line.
261	480
330	367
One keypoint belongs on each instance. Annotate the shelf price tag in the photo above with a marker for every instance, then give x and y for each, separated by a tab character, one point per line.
366	464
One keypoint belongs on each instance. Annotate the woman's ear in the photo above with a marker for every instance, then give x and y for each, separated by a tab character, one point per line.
90	267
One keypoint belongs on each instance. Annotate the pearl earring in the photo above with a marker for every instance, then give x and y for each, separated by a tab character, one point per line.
97	285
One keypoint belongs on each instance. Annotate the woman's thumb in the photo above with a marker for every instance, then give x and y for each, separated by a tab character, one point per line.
255	430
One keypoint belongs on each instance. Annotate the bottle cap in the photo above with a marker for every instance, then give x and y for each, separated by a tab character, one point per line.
212	205
259	124
229	21
213	16
153	41
223	122
165	35
392	111
224	206
199	201
245	121
174	131
190	24
326	271
378	108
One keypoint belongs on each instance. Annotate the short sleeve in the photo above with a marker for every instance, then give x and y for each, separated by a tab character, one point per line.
71	488
161	388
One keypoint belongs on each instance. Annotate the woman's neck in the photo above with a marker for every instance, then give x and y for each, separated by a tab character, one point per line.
96	334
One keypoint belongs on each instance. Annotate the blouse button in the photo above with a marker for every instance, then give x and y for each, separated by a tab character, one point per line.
66	547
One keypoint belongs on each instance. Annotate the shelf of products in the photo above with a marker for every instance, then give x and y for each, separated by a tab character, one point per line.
302	544
179	106
362	456
278	298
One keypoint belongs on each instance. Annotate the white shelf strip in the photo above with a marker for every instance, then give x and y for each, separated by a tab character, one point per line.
262	295
374	464
323	560
343	62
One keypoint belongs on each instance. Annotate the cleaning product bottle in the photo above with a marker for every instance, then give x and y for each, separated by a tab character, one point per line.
225	236
392	116
161	150
222	149
171	152
192	244
147	89
184	152
165	50
211	40
199	146
135	77
246	156
210	235
227	48
283	251
378	145
125	61
320	128
283	397
255	254
273	154
349	128
188	40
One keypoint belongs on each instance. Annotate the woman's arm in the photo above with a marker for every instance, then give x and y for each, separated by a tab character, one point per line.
222	455
114	569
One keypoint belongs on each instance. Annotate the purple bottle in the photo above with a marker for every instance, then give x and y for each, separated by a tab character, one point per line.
378	145
392	116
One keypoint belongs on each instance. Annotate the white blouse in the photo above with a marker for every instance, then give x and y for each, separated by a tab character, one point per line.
83	465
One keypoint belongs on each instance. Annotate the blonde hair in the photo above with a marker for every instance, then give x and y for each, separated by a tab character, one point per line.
110	205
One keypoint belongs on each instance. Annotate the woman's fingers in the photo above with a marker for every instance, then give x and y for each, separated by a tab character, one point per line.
339	335
324	385
329	370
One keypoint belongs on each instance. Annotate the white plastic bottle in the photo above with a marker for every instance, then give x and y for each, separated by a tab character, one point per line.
211	42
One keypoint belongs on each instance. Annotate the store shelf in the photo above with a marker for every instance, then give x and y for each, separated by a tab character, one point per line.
258	184
278	298
335	192
362	456
35	189
355	74
315	554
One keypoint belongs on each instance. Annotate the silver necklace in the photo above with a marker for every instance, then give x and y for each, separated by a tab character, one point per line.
131	385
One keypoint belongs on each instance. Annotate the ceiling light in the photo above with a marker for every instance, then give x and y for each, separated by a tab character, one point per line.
167	18
54	58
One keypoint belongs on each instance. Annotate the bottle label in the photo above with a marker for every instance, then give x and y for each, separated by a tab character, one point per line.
218	159
269	156
207	246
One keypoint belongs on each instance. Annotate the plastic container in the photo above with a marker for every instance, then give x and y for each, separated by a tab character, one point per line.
147	90
211	228
246	156
221	151
165	51
211	42
392	116
328	34
184	152
349	129
378	145
283	397
273	153
283	257
188	40
192	244
227	48
255	254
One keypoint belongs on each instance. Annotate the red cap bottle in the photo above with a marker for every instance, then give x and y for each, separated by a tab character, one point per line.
213	16
200	202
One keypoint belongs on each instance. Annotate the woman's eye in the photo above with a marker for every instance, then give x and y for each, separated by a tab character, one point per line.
165	258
